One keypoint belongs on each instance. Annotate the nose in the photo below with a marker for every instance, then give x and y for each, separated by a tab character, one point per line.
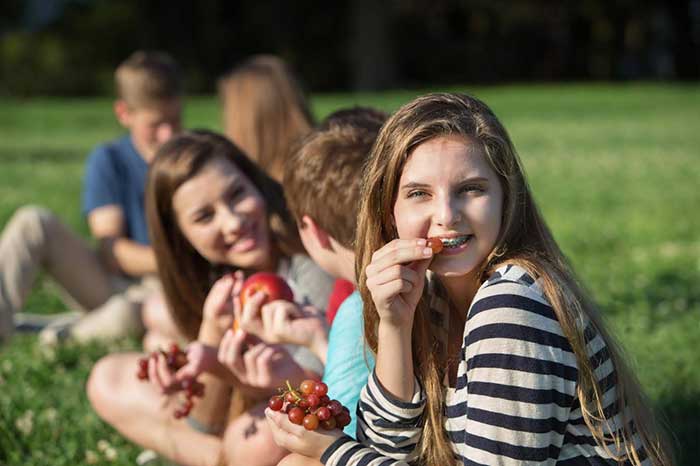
447	213
164	132
231	221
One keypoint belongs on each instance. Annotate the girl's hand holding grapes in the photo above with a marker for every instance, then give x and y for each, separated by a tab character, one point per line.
297	439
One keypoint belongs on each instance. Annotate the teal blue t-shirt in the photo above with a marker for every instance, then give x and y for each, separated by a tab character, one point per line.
348	365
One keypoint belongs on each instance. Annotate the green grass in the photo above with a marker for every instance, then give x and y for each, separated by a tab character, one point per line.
613	167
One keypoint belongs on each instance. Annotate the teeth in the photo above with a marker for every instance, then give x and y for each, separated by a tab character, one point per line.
455	242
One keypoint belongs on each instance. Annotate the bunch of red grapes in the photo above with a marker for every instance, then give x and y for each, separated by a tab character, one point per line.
310	406
176	359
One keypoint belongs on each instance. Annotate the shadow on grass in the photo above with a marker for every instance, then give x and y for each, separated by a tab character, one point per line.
682	418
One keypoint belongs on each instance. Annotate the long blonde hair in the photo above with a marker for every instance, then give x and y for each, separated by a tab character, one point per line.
524	239
264	111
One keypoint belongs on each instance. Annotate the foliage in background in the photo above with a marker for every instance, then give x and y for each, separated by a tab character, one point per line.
70	47
614	169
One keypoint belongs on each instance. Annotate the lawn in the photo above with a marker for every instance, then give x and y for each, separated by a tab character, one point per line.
613	167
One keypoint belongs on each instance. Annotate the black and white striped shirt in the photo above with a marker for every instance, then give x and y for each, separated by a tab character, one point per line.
515	400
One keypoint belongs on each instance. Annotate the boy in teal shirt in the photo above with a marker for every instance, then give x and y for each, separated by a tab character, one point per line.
322	187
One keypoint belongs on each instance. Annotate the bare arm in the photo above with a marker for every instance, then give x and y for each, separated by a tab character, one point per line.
212	409
121	254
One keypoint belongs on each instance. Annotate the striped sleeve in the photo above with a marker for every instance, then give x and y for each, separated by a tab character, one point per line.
517	380
388	429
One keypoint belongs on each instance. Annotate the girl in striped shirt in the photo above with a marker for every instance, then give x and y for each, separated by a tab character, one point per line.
487	352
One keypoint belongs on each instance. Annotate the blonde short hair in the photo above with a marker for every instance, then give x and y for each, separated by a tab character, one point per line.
147	78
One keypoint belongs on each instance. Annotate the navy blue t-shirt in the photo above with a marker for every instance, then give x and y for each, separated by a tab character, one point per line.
115	174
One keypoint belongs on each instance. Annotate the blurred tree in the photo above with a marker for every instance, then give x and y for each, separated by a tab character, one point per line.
72	46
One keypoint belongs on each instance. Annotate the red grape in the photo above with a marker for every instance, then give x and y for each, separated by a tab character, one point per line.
335	407
275	403
320	389
296	415
310	422
313	400
342	419
307	386
435	244
323	413
329	424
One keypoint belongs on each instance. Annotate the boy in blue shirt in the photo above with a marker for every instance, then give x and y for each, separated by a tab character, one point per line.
108	282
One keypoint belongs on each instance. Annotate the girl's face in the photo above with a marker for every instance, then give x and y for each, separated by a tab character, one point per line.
449	190
224	217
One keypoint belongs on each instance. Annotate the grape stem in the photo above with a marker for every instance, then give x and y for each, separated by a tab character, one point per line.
292	391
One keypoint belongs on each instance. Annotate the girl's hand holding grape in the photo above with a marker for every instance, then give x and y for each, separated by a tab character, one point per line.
396	277
163	369
305	420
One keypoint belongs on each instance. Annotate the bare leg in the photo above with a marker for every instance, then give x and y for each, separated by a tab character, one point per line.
142	415
160	327
248	440
294	459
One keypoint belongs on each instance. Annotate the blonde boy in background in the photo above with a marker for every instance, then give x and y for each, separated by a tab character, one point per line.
112	281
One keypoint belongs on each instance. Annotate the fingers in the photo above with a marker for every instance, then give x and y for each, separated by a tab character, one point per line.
199	359
160	374
276	320
392	273
230	351
249	319
397	244
258	363
219	295
398	252
281	425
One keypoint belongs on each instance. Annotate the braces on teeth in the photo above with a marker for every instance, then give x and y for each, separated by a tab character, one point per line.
454	242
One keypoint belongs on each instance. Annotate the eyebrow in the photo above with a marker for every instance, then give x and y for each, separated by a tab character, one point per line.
416	184
199	208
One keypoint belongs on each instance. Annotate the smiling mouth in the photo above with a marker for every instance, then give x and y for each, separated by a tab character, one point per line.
455	242
247	236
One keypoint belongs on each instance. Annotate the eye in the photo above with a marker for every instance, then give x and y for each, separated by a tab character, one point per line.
472	188
416	193
235	193
203	217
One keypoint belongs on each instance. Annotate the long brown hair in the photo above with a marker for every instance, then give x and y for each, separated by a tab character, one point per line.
524	239
264	111
186	275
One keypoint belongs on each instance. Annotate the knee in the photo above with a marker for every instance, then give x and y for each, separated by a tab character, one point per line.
153	341
151	311
294	459
31	218
244	440
102	385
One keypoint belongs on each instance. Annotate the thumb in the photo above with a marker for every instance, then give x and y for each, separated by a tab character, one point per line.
420	267
190	370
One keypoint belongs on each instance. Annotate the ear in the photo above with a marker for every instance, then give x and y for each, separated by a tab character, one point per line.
318	233
122	112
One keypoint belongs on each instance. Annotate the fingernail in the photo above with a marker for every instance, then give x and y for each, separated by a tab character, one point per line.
427	252
421	242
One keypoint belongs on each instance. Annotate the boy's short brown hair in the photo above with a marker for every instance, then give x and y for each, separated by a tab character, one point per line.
147	78
322	177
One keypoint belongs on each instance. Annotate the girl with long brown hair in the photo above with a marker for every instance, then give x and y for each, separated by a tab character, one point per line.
264	111
213	218
488	351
